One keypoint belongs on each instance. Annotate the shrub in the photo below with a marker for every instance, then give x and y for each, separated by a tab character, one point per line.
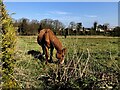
8	49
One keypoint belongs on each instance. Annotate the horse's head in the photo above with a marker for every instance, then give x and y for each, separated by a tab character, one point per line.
60	55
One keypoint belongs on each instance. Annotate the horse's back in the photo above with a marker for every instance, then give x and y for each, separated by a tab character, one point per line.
48	36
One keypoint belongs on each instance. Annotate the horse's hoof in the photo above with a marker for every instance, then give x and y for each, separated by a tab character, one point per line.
50	61
46	62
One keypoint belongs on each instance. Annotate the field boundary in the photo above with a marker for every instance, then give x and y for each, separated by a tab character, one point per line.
88	37
77	36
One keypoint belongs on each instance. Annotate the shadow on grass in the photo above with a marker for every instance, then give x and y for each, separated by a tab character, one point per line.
38	55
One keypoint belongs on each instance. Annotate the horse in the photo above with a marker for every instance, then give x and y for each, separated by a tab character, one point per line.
48	40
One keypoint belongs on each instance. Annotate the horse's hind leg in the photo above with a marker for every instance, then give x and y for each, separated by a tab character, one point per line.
51	53
43	48
46	54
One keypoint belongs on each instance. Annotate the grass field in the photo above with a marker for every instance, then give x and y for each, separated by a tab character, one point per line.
90	57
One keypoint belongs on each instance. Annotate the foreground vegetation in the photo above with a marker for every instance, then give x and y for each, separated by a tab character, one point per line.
7	52
90	63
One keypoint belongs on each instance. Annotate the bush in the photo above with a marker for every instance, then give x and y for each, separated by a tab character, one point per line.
8	50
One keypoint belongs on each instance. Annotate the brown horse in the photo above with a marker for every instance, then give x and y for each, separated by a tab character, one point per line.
47	40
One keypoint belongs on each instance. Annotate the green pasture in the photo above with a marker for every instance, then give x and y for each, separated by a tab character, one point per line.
99	45
94	54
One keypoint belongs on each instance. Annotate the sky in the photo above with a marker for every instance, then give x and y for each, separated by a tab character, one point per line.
85	12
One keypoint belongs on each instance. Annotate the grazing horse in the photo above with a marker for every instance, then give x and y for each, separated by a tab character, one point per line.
47	40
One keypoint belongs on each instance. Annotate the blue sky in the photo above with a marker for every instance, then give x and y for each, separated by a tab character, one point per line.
85	12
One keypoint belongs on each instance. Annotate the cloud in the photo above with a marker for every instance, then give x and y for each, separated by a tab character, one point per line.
91	16
59	12
67	19
71	18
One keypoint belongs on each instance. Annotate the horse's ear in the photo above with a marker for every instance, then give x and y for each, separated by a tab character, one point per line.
64	50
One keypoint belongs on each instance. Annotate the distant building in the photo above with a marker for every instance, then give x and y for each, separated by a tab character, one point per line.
87	29
100	30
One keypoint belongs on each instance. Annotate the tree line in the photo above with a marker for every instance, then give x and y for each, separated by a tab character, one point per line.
26	27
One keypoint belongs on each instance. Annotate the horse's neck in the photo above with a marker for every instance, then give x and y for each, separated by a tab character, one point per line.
56	43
